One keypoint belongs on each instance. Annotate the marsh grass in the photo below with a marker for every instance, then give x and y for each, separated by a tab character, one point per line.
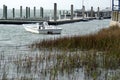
105	40
53	66
97	55
100	52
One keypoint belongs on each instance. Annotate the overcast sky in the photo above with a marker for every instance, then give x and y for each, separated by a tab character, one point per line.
61	4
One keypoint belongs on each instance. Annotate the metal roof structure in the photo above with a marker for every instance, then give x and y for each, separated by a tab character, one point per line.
115	5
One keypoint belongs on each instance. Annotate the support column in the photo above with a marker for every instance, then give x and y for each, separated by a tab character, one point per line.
119	5
118	16
13	11
117	13
55	11
20	11
41	12
34	12
112	5
72	12
113	15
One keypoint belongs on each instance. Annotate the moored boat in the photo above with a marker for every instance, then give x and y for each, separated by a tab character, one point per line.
43	28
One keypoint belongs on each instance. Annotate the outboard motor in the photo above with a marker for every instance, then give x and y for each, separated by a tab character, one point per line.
37	25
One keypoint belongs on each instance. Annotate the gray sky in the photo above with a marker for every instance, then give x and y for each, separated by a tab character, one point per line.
62	4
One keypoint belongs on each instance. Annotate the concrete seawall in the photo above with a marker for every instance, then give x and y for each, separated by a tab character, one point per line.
114	23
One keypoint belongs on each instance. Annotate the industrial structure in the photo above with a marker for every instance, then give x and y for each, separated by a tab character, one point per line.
116	10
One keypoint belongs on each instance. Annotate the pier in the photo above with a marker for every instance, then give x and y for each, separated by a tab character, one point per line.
115	18
56	16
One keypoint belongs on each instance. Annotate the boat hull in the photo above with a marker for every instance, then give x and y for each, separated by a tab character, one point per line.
43	31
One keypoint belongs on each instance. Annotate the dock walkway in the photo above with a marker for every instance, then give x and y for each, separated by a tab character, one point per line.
51	22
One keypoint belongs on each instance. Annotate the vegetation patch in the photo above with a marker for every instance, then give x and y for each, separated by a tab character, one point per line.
107	39
97	54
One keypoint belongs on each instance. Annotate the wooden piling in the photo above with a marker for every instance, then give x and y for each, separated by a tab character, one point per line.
63	12
20	11
55	11
60	14
26	12
91	15
72	12
4	12
13	11
67	12
98	12
34	12
29	12
83	11
41	12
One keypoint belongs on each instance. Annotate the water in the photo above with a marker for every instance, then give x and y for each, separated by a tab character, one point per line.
14	39
15	35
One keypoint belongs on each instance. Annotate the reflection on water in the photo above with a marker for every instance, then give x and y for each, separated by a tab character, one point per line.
14	40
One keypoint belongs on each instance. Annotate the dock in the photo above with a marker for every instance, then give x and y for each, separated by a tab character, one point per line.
19	21
50	22
64	21
58	17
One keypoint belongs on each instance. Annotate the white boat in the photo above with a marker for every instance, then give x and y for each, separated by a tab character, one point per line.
42	28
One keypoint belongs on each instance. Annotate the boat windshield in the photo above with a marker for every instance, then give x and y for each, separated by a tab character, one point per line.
45	23
40	23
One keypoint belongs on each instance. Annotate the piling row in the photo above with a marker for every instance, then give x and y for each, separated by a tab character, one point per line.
42	12
62	15
115	16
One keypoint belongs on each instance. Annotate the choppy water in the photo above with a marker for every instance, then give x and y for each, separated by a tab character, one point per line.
15	35
13	38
